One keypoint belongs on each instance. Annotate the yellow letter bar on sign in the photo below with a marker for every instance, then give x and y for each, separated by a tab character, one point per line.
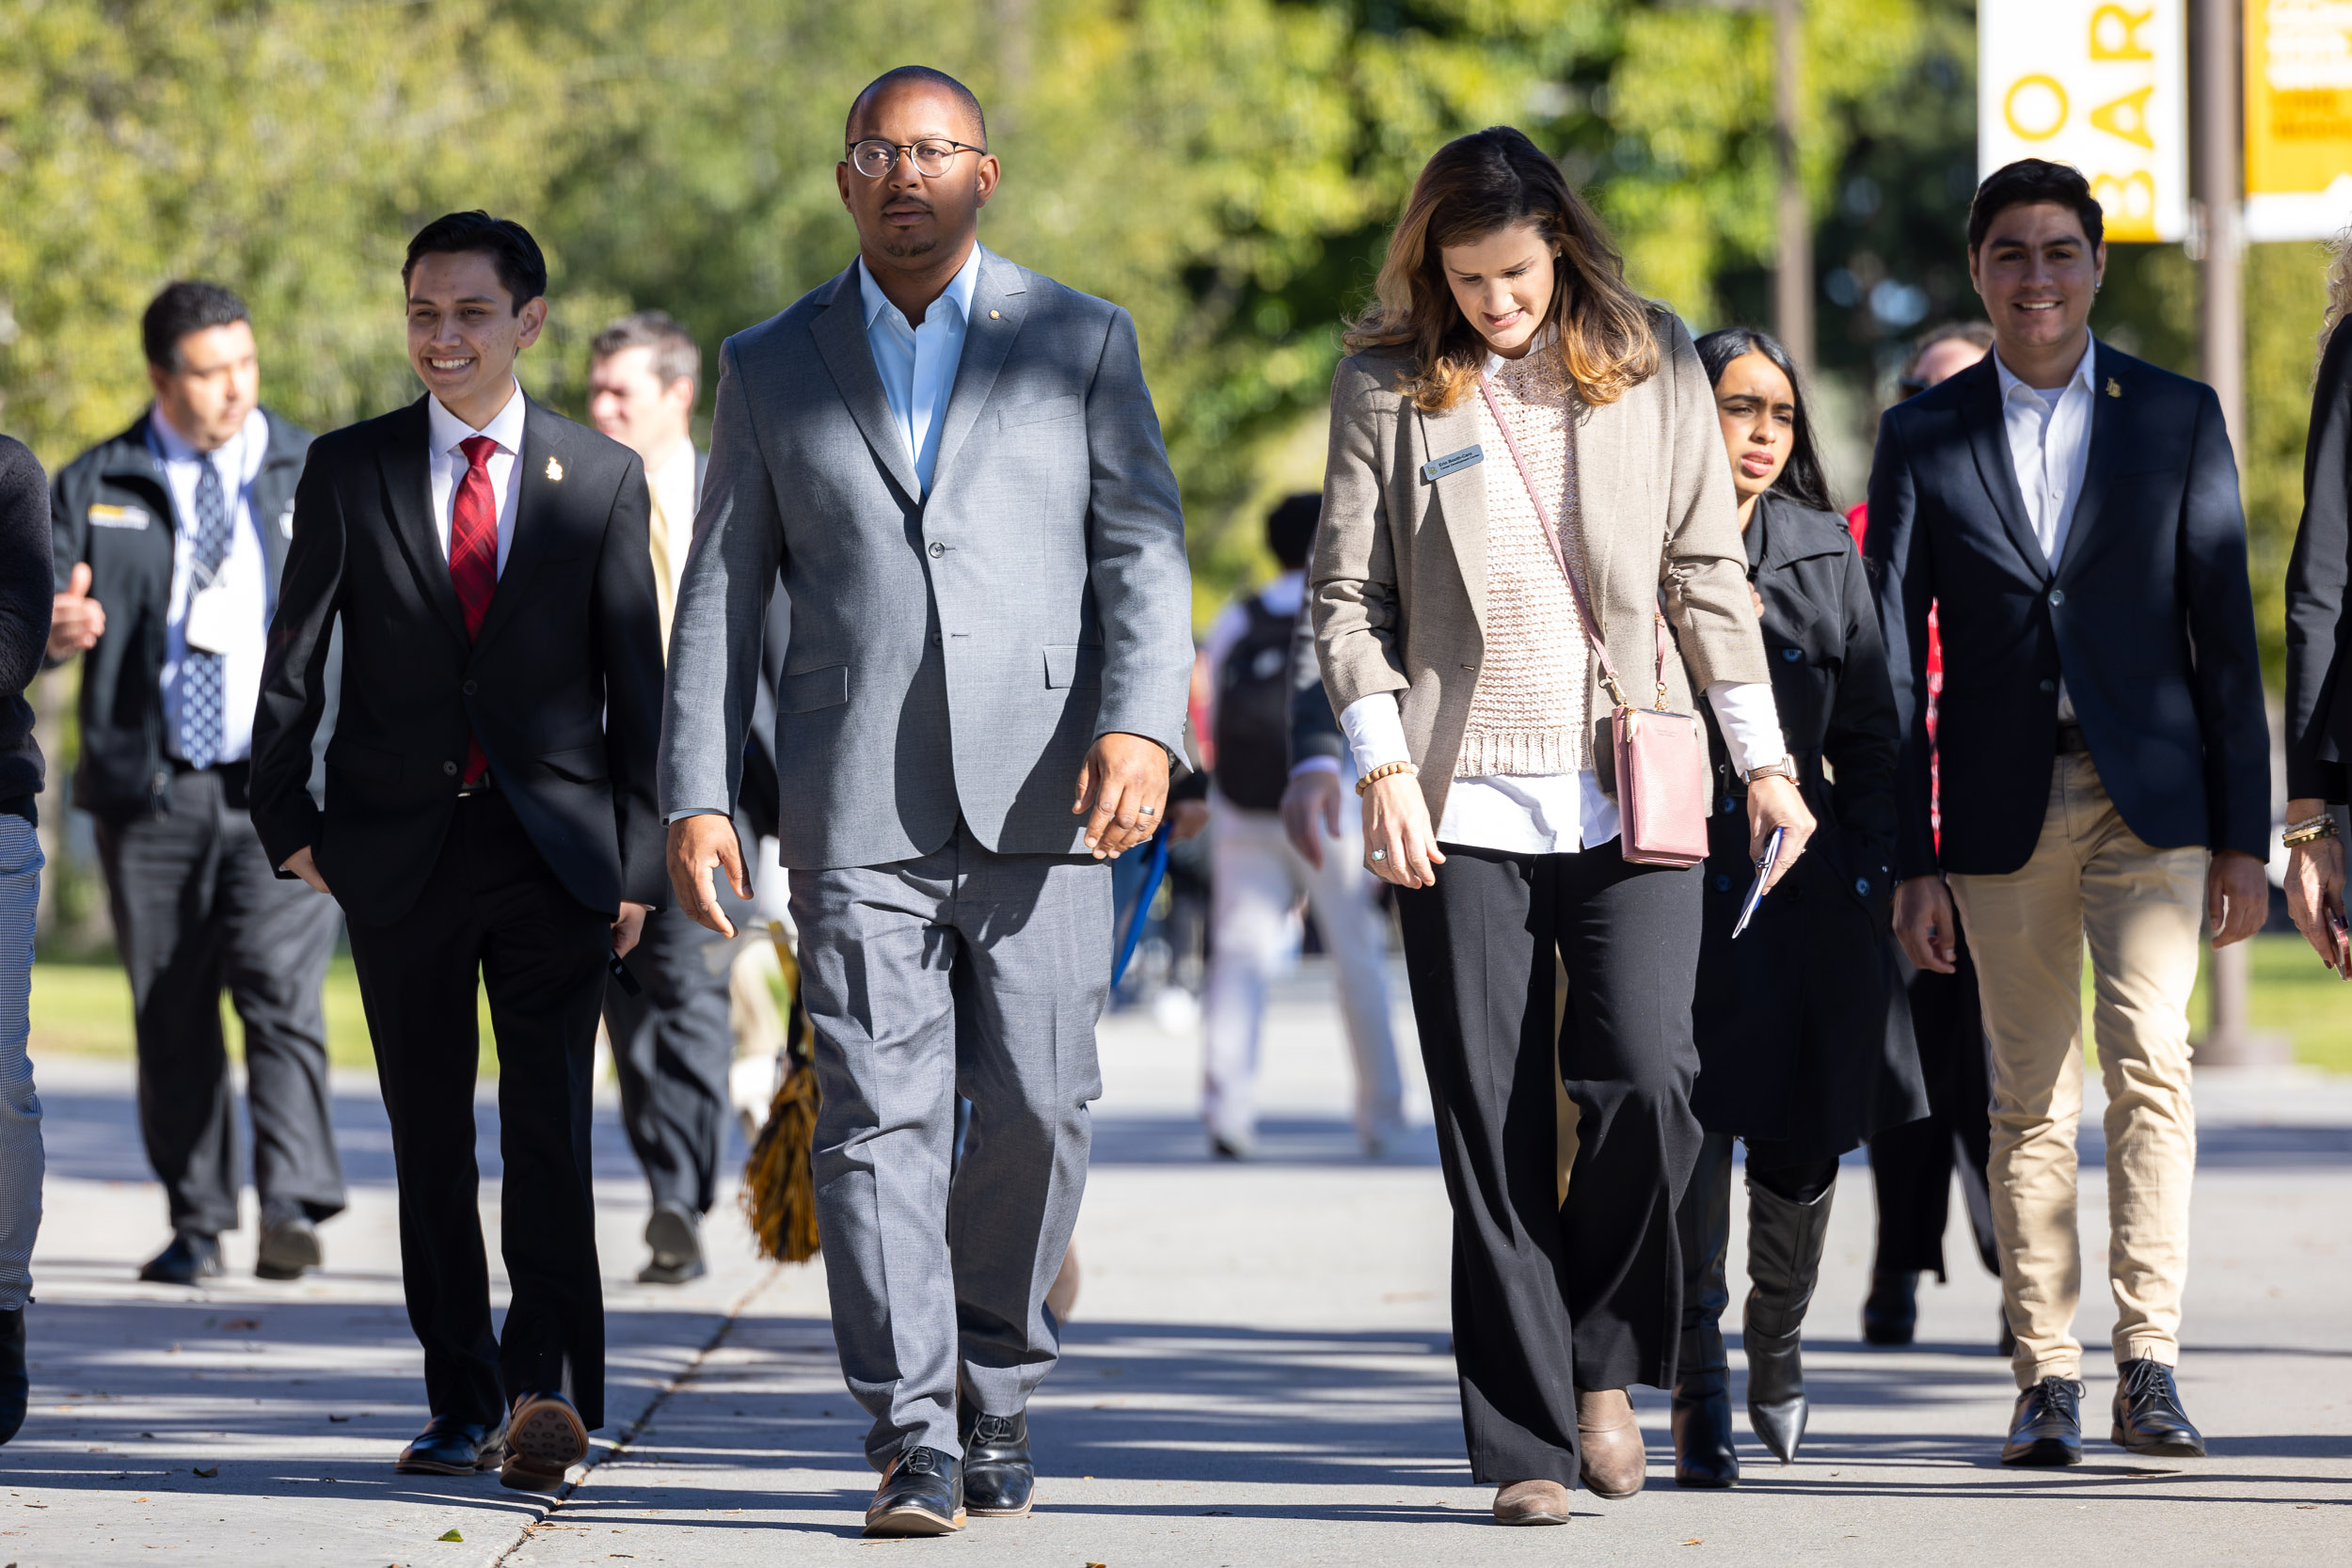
2298	118
2097	84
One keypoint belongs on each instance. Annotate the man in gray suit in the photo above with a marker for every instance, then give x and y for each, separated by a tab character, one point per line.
955	464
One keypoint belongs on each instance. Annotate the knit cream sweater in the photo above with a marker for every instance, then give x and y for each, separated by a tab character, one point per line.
1528	713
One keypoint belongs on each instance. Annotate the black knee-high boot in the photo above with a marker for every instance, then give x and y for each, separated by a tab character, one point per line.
1702	1399
1784	1238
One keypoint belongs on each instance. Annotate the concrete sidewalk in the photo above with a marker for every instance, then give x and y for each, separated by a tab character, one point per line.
1258	1372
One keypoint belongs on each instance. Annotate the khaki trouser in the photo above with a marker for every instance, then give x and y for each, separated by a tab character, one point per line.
2090	877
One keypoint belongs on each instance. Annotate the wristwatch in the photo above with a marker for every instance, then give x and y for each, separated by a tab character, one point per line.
1784	769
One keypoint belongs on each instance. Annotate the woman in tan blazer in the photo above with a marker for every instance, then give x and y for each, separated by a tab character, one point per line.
1452	650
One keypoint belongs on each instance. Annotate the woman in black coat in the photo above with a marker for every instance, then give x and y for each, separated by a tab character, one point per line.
1804	1042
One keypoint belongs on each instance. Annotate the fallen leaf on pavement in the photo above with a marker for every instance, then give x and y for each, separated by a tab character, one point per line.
1696	1541
240	1323
339	1417
208	1474
453	1535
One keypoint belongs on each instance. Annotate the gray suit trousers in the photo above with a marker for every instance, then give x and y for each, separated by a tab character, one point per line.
961	971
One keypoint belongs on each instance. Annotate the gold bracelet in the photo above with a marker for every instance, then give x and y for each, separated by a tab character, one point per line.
1381	773
2309	833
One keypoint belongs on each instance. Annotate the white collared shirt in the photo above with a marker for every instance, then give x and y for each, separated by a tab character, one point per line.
918	364
448	465
244	574
2049	444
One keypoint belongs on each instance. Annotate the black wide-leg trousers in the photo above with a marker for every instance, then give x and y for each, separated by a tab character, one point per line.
493	907
1548	1298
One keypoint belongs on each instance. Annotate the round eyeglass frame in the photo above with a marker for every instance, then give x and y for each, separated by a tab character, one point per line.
912	151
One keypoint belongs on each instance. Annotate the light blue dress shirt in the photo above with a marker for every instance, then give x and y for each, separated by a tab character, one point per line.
918	363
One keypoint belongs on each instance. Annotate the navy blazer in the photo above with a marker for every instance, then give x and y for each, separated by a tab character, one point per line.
2147	613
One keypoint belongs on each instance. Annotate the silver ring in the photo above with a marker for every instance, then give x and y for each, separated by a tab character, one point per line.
1380	854
1147	811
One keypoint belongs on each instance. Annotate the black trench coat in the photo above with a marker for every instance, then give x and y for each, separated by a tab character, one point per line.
1804	1036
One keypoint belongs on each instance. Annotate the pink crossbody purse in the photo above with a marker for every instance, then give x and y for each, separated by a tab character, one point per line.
1660	755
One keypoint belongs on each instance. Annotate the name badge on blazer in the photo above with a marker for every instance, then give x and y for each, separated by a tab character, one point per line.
118	517
1452	463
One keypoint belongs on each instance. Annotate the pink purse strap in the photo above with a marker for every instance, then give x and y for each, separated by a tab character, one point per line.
1551	537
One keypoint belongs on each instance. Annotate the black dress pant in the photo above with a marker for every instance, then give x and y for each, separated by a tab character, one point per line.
1912	1167
1550	1298
196	909
493	907
672	1048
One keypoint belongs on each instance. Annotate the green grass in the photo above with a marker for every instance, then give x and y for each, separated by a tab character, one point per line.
2292	993
86	1009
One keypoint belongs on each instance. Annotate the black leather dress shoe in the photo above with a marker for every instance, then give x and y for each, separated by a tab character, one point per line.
191	1256
921	1493
998	1479
449	1447
2148	1414
15	1386
1890	1313
2046	1428
290	1249
675	1234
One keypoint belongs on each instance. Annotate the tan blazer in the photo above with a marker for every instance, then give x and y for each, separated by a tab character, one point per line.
1398	584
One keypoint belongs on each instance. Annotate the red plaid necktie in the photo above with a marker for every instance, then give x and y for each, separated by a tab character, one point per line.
473	558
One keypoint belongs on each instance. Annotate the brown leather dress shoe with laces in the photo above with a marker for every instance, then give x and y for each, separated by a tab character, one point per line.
1531	1502
1616	1462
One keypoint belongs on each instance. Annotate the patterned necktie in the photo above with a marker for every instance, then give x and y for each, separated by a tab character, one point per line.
203	686
473	558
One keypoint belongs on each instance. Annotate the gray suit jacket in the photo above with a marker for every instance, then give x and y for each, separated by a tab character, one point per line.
955	654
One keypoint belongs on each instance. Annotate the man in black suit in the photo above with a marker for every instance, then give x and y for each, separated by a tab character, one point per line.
488	813
170	543
2074	514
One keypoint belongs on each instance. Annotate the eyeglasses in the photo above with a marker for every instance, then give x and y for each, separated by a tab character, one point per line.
876	158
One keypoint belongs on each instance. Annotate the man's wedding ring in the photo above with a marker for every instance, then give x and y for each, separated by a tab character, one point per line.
1147	811
1380	854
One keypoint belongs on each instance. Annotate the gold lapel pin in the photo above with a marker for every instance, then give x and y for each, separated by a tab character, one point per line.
2114	388
555	469
992	315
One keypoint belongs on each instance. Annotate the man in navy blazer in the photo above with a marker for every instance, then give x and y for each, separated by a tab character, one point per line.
2074	515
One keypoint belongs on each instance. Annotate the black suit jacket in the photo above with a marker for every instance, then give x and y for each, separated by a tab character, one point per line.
563	687
2319	708
111	510
2146	613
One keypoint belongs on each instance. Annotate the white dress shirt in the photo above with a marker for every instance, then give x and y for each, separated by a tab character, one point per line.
1556	814
918	363
243	575
448	465
2049	443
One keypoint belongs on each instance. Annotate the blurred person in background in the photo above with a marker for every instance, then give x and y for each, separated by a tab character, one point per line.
1258	877
1912	1165
1507	377
25	580
1803	1039
171	540
673	1044
2103	766
2319	698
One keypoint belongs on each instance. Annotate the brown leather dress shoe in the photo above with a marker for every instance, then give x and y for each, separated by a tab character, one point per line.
1531	1502
1610	1441
545	1437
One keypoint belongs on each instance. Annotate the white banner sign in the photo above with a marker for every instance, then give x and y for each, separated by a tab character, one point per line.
2097	84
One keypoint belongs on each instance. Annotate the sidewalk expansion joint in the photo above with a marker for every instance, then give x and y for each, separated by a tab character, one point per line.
630	1433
